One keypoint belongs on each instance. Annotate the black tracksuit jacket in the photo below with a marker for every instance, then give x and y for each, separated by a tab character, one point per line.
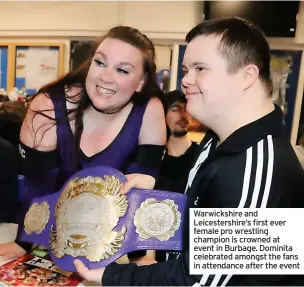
254	167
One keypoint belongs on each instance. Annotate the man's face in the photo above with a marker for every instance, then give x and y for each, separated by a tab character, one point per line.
211	91
178	119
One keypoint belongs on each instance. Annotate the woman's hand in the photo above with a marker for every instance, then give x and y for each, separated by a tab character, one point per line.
11	250
138	180
93	275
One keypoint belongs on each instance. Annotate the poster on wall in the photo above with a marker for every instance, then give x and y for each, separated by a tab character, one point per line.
35	67
3	67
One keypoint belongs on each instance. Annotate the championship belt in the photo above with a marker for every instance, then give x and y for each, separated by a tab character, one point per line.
89	219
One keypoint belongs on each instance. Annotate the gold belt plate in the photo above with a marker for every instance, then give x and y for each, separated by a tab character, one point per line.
158	219
86	213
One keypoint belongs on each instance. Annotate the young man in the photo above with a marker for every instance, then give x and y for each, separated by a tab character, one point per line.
245	161
180	150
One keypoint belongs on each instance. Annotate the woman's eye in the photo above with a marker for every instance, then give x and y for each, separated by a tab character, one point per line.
99	63
185	72
122	71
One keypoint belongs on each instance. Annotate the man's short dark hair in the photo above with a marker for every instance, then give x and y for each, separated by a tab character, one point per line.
241	43
173	97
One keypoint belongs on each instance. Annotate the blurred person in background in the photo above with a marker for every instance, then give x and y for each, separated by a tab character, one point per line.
179	153
12	114
8	181
180	150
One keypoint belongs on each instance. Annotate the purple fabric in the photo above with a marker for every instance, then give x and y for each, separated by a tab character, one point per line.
117	155
132	241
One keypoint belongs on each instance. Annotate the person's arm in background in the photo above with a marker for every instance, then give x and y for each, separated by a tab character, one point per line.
9	195
8	181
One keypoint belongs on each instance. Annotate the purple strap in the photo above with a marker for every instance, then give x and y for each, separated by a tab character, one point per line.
132	240
65	137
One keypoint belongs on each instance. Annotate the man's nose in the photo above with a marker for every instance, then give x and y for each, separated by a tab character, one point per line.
188	80
184	114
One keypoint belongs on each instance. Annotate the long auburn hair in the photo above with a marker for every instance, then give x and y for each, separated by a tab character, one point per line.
77	78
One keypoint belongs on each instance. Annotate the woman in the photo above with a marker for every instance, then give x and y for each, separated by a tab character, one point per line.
105	113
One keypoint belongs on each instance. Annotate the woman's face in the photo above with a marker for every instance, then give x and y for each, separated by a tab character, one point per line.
116	72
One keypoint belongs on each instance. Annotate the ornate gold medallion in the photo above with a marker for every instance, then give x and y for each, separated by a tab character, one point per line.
37	218
158	219
86	213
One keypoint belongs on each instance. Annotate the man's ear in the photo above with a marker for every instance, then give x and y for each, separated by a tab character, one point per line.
251	75
141	84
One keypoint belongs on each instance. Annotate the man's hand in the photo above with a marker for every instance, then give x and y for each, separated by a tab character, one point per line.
143	261
138	180
94	275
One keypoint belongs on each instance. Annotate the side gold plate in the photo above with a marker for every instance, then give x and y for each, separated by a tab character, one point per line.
158	219
37	218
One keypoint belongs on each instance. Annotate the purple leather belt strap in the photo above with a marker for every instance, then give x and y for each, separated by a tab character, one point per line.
89	219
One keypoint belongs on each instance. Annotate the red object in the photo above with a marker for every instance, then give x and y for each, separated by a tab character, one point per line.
27	271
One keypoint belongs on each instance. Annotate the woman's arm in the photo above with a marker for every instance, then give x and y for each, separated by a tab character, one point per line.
152	140
153	129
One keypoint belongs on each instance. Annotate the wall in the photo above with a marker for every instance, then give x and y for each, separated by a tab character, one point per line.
165	20
163	57
57	18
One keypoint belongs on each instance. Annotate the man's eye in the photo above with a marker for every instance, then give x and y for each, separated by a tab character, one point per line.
199	69
122	71
99	63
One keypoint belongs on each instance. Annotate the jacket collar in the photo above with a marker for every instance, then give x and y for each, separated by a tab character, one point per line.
248	135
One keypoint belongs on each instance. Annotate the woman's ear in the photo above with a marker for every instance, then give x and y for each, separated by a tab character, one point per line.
141	84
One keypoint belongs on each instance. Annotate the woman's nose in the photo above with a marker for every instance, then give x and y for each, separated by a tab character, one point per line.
106	75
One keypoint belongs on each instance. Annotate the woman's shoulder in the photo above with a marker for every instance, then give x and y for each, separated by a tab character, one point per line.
38	122
41	102
153	107
53	99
